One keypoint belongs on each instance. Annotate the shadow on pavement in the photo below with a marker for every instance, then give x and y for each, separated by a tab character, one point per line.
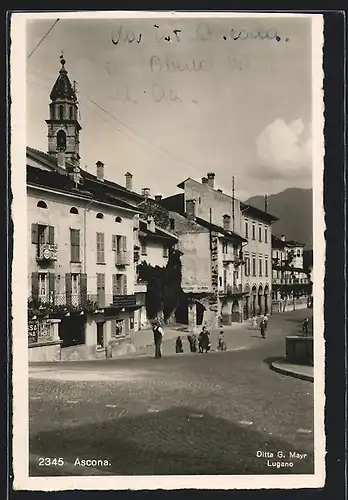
170	442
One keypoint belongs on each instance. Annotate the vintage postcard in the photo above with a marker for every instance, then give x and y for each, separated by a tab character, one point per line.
167	180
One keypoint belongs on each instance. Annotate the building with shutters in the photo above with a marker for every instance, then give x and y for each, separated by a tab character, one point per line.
253	272
81	264
86	236
292	285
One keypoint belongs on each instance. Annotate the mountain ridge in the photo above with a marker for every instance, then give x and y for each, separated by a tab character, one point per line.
293	207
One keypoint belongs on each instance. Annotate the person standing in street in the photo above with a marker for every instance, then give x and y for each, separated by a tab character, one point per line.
157	337
254	322
265	321
262	329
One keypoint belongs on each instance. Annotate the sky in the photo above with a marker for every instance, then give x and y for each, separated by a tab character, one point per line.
167	99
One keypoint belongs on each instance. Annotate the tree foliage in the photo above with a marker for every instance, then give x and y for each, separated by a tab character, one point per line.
163	285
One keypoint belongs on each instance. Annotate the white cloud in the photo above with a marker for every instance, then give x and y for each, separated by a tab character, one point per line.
284	150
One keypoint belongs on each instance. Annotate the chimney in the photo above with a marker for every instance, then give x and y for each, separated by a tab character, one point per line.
211	177
61	159
100	170
145	192
227	222
190	209
204	180
129	178
158	197
283	237
266	203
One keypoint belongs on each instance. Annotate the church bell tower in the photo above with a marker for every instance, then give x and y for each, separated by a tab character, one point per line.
63	125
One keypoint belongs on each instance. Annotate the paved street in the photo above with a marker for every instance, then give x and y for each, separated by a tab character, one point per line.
188	413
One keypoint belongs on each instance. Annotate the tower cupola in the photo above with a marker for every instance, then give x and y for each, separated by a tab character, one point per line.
63	125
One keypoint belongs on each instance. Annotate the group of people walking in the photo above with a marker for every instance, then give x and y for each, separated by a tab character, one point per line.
202	343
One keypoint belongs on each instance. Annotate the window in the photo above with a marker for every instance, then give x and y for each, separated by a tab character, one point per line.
172	224
41	204
43	286
199	200
41	234
247	266
246	229
254	266
253	231
266	235
100	248
61	140
74	210
61	112
260	267
71	113
165	251
224	247
220	281
118	219
99	216
119	284
143	248
75	245
260	233
266	267
119	243
235	251
277	254
299	253
75	284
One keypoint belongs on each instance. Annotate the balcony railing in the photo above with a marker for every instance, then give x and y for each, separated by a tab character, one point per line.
231	289
122	258
47	252
228	257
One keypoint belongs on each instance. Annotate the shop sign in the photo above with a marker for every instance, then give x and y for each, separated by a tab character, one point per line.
32	332
124	300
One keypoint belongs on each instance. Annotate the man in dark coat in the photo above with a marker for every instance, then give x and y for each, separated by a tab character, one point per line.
157	337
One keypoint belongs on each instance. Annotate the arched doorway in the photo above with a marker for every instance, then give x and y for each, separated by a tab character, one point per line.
267	304
259	300
235	313
253	300
246	302
199	313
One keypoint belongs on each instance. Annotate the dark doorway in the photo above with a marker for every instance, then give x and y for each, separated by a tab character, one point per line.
199	313
71	330
181	313
100	334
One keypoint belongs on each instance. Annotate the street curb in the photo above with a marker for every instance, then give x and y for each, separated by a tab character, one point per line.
275	366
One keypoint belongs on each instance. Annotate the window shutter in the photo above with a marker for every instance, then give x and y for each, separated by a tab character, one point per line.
124	284
35	285
102	247
68	288
35	233
83	288
51	235
52	286
124	243
114	244
114	284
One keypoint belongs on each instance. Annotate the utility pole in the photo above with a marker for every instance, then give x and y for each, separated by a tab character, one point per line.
233	208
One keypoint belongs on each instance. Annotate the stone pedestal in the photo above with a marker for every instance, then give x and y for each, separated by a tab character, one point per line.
299	350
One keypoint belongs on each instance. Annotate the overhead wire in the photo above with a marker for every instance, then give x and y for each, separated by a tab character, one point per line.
43	38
